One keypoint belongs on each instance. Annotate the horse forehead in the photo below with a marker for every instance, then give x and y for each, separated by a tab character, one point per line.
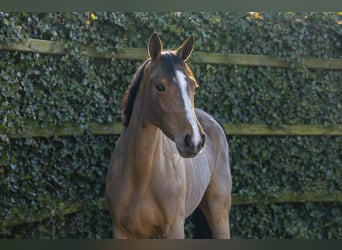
167	66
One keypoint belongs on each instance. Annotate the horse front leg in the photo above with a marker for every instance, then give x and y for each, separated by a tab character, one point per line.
217	215
175	231
216	206
119	234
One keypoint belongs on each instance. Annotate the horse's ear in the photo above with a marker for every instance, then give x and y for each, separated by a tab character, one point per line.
155	47
185	50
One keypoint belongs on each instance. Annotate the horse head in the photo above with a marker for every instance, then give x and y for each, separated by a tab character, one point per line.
169	96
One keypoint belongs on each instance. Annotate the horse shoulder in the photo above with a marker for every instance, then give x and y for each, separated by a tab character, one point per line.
220	149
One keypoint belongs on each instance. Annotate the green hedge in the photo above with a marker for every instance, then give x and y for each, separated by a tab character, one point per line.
37	174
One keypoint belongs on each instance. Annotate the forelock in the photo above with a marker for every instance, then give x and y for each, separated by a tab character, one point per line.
168	62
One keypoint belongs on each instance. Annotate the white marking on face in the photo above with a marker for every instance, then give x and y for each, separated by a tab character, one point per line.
181	78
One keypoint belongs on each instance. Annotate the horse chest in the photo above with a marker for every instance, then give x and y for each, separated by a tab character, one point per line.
142	215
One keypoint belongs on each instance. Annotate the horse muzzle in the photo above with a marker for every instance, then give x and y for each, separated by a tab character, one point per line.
187	147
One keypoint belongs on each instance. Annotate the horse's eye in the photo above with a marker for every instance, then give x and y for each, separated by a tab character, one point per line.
160	87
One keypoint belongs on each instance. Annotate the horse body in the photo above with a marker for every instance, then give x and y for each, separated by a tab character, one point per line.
161	169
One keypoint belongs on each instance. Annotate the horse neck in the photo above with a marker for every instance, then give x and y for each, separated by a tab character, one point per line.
142	144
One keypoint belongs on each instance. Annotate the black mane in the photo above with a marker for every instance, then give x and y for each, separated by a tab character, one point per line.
131	93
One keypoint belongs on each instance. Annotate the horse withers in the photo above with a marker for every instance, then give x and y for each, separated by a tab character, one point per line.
170	158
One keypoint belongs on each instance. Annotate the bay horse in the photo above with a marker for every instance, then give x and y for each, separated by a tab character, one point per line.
170	158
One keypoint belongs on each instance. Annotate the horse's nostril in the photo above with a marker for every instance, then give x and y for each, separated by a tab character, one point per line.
188	142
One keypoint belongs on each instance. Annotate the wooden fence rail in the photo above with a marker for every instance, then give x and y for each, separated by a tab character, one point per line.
71	129
56	48
63	209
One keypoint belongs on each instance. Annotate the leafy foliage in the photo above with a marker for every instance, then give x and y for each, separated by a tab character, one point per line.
37	174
